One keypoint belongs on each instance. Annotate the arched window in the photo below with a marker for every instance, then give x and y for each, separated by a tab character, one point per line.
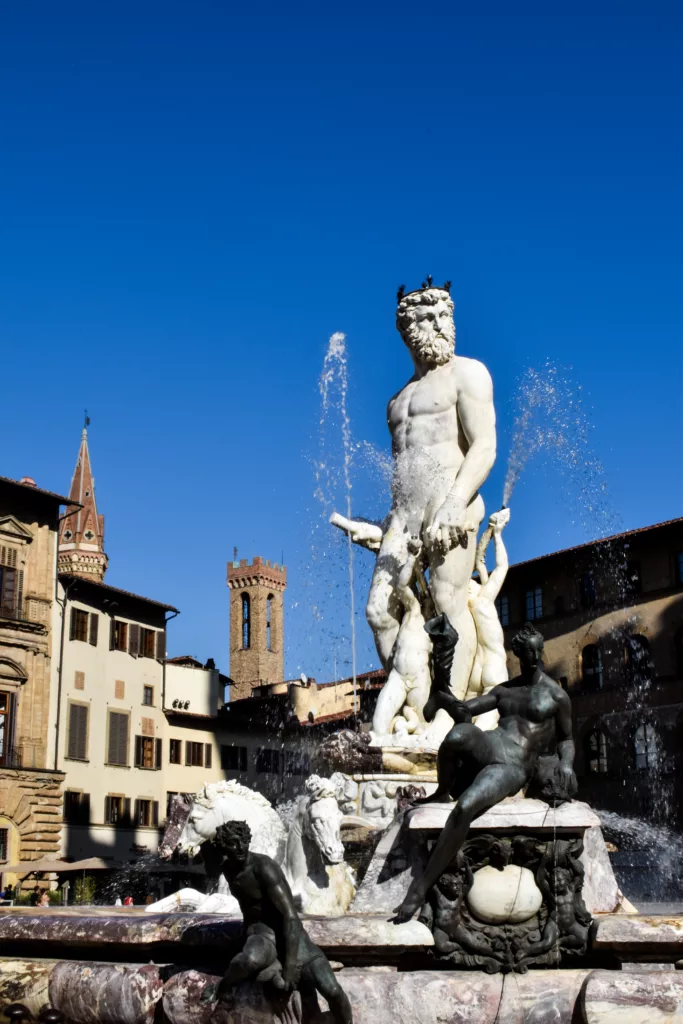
246	621
269	633
596	751
591	667
646	746
638	660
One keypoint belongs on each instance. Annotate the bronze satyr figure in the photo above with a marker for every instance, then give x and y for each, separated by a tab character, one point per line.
277	949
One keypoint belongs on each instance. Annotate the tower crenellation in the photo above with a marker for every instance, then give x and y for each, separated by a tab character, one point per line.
256	624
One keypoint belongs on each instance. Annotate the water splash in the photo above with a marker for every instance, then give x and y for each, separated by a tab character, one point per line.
656	851
552	421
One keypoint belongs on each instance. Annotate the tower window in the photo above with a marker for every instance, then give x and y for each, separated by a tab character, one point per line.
269	632
246	622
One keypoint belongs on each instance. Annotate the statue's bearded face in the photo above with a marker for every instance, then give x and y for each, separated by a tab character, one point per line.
425	322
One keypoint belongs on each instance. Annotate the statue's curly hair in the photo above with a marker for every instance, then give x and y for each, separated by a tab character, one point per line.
527	632
233	830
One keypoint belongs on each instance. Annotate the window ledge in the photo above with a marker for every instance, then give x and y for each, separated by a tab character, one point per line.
110	764
79	760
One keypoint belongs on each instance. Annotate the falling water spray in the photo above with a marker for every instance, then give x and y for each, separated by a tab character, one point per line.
334	378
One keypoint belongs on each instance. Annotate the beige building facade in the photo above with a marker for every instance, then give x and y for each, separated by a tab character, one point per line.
30	784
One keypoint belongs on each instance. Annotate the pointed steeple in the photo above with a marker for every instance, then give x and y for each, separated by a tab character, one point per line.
81	535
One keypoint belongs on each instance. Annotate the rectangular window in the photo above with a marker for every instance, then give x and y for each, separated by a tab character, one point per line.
7	715
147	643
268	761
77	742
147	752
503	609
175	751
117	811
4	844
588	590
76	808
148	696
194	754
297	763
79	625
534	604
118	638
208	755
146	813
234	759
117	752
9	592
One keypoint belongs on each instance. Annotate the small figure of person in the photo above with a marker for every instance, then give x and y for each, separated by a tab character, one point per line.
117	902
277	949
128	901
34	898
44	899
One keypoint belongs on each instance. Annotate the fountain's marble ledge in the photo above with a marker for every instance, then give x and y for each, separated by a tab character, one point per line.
523	814
625	934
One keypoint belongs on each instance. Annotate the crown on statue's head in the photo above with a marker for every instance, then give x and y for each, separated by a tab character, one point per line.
425	286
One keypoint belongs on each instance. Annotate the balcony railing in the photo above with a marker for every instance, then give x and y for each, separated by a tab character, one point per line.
11	758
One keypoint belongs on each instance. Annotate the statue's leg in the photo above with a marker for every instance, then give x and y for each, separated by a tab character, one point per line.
449	577
390	701
456	769
492	784
257	953
320	975
384	610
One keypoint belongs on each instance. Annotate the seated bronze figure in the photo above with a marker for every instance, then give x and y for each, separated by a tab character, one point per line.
478	769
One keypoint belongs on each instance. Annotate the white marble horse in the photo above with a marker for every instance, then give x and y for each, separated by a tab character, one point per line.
310	852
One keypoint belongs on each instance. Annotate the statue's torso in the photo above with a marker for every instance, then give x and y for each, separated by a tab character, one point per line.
527	718
425	415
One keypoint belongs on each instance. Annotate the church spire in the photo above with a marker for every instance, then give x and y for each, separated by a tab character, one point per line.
81	535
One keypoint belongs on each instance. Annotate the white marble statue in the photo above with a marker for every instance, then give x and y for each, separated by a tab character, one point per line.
310	850
490	663
442	425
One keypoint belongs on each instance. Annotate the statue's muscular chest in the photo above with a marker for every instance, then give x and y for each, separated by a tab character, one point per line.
425	411
532	703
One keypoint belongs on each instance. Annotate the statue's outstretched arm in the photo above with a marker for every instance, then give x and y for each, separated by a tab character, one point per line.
280	895
491	585
366	535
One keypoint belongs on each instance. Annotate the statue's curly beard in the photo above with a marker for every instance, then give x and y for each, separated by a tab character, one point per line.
428	346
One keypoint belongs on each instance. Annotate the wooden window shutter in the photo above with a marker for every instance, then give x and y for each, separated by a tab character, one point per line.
78	731
207	755
112	634
72	625
126	811
188	752
155	813
84	809
136	812
161	645
94	627
138	753
118	738
134	639
107	810
157	754
20	592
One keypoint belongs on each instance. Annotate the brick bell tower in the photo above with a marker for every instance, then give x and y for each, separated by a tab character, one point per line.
257	641
81	535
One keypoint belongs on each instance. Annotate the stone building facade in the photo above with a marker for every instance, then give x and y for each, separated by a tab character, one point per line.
611	613
30	785
257	651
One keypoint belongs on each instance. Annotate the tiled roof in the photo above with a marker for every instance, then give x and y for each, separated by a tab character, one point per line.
39	490
598	541
117	590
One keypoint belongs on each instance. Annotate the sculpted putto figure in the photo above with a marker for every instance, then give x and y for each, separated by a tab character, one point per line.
442	425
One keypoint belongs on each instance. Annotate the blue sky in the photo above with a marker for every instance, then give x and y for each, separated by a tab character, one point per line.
194	197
